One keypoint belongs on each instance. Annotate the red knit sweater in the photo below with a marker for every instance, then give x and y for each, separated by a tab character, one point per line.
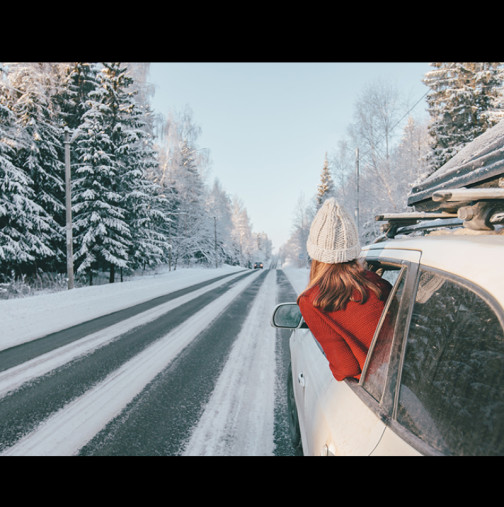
345	335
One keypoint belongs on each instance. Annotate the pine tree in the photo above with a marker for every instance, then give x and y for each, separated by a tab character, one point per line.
462	104
101	235
192	239
325	188
134	153
23	223
144	202
80	81
41	152
113	193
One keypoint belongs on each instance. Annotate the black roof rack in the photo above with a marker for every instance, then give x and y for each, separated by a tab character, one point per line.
475	208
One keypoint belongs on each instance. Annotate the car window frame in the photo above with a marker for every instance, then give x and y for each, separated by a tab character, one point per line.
402	276
383	409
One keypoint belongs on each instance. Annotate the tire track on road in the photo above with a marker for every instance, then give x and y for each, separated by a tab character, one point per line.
14	377
161	418
24	352
239	417
22	411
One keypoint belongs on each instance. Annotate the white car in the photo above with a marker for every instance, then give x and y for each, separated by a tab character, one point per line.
433	381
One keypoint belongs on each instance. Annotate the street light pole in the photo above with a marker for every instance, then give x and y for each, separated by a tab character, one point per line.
357	187
69	239
215	241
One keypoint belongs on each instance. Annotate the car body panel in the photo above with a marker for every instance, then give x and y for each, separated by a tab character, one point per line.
328	408
391	444
465	249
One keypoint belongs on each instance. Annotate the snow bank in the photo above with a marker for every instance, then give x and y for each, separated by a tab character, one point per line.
28	318
25	319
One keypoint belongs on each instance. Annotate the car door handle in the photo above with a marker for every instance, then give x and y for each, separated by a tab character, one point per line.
301	379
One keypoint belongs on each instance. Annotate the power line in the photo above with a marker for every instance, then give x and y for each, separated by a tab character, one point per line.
408	112
402	118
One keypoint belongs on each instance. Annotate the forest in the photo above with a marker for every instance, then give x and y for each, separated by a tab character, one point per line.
372	170
85	133
137	188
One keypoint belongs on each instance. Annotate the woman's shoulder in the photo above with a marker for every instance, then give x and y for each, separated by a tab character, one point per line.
308	295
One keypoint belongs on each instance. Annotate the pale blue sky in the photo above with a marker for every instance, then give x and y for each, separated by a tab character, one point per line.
269	125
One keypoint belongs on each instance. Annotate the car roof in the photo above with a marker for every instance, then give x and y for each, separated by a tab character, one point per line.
472	255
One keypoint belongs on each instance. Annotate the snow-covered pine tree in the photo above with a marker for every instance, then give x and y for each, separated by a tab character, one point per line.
462	104
135	153
102	237
80	81
128	156
41	155
23	223
325	188
144	200
142	92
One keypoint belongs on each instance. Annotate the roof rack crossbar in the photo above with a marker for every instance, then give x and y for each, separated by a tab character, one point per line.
413	216
468	194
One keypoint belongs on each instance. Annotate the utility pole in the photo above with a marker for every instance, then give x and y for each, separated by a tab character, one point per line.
357	187
69	239
215	241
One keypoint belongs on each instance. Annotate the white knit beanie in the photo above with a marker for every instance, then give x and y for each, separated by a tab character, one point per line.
333	235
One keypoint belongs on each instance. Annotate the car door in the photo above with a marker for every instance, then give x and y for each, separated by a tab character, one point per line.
360	413
311	377
342	418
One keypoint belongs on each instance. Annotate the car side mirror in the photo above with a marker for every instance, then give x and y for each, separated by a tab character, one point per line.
287	315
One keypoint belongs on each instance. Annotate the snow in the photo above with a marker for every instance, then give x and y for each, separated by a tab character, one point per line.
245	390
479	160
32	317
36	316
238	418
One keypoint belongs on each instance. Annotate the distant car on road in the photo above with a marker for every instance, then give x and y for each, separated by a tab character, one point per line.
258	265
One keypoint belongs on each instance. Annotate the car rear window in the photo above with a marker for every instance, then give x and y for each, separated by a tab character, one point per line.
452	383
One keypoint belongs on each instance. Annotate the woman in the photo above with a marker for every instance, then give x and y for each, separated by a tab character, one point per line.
343	301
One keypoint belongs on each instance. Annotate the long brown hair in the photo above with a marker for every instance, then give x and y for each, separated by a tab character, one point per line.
338	282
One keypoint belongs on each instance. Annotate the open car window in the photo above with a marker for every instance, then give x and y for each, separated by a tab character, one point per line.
376	368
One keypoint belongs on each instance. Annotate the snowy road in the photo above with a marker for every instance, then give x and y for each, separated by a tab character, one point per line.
196	371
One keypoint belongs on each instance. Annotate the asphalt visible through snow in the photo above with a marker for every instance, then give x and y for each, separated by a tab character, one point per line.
158	417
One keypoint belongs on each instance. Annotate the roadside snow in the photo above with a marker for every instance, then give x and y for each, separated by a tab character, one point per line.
237	420
69	429
14	377
24	319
